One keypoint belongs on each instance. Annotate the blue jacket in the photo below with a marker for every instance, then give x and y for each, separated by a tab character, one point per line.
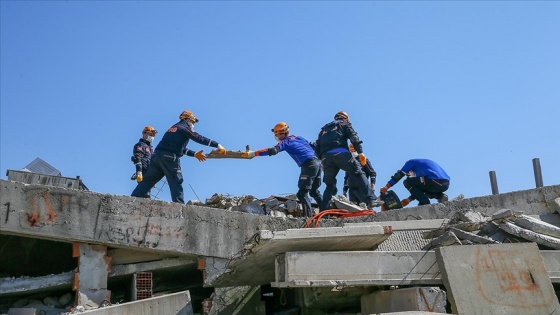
177	137
423	167
297	147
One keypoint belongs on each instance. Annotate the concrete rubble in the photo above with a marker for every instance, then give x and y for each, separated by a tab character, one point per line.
243	255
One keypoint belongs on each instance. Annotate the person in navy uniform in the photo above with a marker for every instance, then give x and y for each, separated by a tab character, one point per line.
166	157
425	180
304	155
351	187
332	148
142	154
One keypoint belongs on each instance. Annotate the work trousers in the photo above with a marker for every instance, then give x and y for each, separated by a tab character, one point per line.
163	164
332	164
309	182
422	188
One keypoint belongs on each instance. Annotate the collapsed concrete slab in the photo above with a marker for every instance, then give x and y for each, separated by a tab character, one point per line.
372	268
256	264
175	303
497	279
70	215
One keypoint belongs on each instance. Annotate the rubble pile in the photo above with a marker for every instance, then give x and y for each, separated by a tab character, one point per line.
275	206
504	226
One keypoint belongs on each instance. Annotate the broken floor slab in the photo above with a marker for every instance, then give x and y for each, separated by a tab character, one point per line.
323	269
175	303
256	264
497	279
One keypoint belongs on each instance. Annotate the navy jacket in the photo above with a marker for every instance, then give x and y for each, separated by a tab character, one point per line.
142	153
335	135
177	137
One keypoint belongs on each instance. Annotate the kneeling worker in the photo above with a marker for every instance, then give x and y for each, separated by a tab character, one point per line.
425	180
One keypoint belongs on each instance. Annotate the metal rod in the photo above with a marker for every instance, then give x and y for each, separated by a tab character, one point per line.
494	183
538	173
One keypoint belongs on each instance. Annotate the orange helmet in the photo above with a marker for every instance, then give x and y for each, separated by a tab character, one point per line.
342	115
351	147
188	115
149	130
280	129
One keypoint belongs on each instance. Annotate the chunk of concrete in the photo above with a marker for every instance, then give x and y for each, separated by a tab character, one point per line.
538	238
497	279
537	225
177	304
428	299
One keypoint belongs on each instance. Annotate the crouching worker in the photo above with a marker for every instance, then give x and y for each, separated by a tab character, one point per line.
425	180
304	155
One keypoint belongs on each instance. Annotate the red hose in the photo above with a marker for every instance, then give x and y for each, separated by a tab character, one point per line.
335	212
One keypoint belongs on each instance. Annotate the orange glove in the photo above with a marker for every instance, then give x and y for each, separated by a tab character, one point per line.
405	202
221	149
363	159
383	190
200	156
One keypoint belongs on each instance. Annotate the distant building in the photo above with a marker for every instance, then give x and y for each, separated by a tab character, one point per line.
42	173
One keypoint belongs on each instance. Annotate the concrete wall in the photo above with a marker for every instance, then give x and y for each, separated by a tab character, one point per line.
80	216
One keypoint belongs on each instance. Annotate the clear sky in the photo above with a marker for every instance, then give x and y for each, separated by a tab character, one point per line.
473	85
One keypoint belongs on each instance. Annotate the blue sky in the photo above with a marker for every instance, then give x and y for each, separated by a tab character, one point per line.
473	85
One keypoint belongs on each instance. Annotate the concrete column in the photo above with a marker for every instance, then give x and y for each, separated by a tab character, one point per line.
90	282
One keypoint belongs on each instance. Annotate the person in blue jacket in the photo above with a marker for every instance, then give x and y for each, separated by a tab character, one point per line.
142	154
304	155
425	180
165	159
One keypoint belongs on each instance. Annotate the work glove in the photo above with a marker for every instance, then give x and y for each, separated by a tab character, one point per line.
248	154
139	176
363	159
383	190
200	156
221	149
405	202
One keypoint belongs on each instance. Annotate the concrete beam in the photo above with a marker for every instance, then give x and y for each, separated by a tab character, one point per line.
372	268
256	264
69	215
29	285
176	304
532	202
497	279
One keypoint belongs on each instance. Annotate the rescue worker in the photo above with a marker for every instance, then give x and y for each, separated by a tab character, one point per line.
166	157
350	189
304	155
142	154
425	180
332	148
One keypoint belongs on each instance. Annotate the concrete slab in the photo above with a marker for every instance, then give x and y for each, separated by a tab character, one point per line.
497	279
428	299
70	215
29	285
407	225
256	265
176	304
371	268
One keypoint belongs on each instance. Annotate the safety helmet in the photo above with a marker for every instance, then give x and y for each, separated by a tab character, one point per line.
188	115
351	148
342	115
280	128
149	130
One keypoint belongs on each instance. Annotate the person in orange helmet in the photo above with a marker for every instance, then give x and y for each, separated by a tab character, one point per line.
142	154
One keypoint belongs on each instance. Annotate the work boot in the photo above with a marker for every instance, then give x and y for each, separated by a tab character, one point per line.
443	198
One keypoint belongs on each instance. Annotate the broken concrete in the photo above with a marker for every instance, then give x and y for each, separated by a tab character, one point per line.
428	299
175	303
255	265
322	269
497	279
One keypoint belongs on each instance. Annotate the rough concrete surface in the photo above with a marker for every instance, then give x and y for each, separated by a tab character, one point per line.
497	279
428	299
256	265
